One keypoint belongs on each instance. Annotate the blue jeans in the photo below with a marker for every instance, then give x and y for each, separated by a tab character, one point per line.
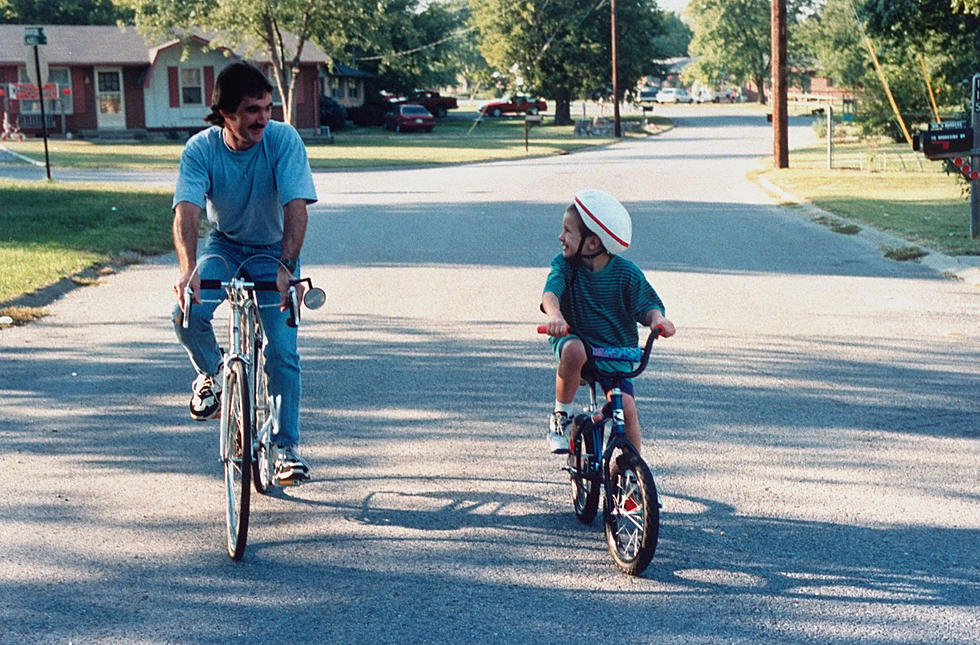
281	356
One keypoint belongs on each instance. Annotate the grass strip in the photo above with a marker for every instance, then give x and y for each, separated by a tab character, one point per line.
49	231
928	207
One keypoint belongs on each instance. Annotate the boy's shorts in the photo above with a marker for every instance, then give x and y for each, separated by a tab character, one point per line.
607	384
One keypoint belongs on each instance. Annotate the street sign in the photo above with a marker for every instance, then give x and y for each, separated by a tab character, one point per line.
35	36
949	125
976	92
33	65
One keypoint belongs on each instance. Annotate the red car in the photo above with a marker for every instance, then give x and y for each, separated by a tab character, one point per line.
515	105
409	116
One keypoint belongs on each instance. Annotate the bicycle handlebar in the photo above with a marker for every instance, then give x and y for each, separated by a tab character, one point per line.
293	304
625	354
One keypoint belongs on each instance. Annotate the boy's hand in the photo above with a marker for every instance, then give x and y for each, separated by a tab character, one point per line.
557	327
657	319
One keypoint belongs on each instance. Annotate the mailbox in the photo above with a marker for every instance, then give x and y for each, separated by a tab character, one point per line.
944	144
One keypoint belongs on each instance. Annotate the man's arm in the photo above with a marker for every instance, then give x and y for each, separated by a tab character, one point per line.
294	223
186	224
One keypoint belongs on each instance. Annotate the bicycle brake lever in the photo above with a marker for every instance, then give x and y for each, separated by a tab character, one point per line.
294	312
188	301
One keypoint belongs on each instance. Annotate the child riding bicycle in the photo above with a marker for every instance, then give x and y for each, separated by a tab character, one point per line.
602	296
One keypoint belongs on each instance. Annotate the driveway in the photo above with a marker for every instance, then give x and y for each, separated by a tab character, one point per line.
812	426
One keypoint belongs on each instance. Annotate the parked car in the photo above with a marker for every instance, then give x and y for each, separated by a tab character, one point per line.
706	95
647	95
434	102
673	95
515	105
409	116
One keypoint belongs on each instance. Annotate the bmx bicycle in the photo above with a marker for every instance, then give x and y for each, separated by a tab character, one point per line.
598	461
245	446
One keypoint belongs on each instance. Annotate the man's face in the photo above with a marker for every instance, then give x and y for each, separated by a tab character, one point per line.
244	126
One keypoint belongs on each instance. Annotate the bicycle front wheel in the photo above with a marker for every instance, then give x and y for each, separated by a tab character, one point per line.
237	457
261	436
632	514
583	473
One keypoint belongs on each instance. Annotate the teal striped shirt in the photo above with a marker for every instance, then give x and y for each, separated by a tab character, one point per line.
604	306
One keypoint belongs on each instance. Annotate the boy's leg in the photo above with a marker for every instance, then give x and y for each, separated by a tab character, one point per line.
571	359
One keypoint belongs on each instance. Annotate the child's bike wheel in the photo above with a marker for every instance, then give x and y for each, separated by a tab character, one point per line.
237	459
632	514
582	472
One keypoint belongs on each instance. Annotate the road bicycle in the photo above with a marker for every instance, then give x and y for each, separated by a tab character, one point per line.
245	446
601	458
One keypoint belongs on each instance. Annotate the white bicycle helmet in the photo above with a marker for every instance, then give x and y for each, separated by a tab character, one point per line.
606	217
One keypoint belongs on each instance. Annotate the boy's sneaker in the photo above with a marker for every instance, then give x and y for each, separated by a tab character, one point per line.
290	467
557	440
206	397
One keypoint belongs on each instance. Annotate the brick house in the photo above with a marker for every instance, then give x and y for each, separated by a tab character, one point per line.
105	79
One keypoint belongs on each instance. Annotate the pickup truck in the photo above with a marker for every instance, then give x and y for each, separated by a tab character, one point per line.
515	105
433	102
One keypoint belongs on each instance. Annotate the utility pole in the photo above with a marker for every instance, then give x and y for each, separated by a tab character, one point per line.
780	139
615	69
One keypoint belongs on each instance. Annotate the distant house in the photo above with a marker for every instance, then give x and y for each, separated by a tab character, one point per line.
108	79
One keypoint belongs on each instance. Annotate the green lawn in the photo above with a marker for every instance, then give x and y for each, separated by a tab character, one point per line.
887	187
454	140
49	231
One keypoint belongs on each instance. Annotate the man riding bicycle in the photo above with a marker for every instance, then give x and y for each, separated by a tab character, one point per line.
253	177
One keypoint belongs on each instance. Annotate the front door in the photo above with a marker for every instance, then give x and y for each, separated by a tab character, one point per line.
109	98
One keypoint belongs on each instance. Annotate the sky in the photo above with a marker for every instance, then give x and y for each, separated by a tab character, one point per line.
672	5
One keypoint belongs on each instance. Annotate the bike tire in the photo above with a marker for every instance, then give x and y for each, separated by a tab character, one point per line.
261	459
632	514
237	458
582	472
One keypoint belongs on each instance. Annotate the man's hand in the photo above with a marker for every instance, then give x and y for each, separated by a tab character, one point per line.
283	283
188	279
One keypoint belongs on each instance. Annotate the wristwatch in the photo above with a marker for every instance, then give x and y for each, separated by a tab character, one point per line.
289	263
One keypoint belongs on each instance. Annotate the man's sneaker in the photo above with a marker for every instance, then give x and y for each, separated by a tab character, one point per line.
206	397
290	467
557	440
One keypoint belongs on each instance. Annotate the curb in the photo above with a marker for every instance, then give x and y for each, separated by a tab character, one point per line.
946	265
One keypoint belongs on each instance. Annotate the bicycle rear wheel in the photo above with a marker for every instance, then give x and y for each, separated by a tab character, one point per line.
582	471
632	514
237	457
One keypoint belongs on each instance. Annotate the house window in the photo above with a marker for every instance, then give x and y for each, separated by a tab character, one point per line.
335	91
352	89
62	78
191	89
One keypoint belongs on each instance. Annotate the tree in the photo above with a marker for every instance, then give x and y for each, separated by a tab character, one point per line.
561	48
62	12
676	37
731	41
409	48
279	28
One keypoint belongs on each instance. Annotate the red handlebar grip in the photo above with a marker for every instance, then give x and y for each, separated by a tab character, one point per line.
543	329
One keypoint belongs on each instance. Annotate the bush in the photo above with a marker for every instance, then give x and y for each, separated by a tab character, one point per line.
368	114
332	113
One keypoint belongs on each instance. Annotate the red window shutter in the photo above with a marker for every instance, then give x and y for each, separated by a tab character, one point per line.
173	79
208	84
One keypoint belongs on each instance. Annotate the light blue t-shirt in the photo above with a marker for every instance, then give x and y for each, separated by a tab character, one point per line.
244	191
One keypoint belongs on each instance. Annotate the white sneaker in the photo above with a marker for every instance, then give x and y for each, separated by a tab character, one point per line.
206	397
557	441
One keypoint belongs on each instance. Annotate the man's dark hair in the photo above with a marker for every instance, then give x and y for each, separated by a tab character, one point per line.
234	83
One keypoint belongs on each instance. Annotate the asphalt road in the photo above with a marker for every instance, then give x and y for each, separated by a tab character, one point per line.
813	427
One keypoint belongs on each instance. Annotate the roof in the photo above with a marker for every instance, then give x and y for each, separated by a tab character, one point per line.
111	45
339	69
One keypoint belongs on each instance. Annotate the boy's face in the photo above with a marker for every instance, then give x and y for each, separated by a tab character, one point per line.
244	126
571	236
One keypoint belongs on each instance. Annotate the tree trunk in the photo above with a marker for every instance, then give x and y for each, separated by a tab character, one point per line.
563	111
761	84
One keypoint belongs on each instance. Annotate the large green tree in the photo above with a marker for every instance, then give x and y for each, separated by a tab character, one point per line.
731	41
561	48
412	47
62	12
279	28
